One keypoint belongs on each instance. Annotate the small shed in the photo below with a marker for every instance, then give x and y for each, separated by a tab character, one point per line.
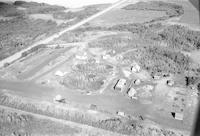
137	81
170	82
127	73
135	68
105	56
148	87
93	107
119	57
81	55
156	77
59	98
177	116
120	113
59	73
132	93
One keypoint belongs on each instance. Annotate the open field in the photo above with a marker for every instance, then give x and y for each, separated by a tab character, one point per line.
123	71
121	16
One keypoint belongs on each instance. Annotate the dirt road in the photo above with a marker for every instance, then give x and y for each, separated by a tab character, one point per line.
56	35
111	103
86	128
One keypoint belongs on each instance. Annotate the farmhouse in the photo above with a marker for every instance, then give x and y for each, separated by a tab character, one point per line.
120	84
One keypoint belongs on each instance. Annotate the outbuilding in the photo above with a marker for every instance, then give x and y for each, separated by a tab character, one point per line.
177	116
119	57
81	55
132	93
59	98
121	83
148	87
170	82
156	77
137	81
120	113
135	68
59	73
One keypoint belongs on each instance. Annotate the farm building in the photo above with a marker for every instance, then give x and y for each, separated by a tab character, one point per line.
135	68
120	113
132	93
59	73
170	82
127	73
81	55
59	98
119	57
156	77
120	84
137	81
177	116
105	56
148	87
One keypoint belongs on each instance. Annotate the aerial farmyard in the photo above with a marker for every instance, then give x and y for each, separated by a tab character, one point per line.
126	68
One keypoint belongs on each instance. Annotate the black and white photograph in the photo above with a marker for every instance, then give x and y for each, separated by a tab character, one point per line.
99	68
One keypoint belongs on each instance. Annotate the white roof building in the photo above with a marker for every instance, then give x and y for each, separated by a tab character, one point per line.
137	81
59	73
132	93
127	73
118	57
120	84
178	116
120	113
135	68
81	55
148	87
156	76
170	82
58	98
107	56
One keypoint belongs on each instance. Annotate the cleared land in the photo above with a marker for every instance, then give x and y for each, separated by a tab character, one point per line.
120	16
127	75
